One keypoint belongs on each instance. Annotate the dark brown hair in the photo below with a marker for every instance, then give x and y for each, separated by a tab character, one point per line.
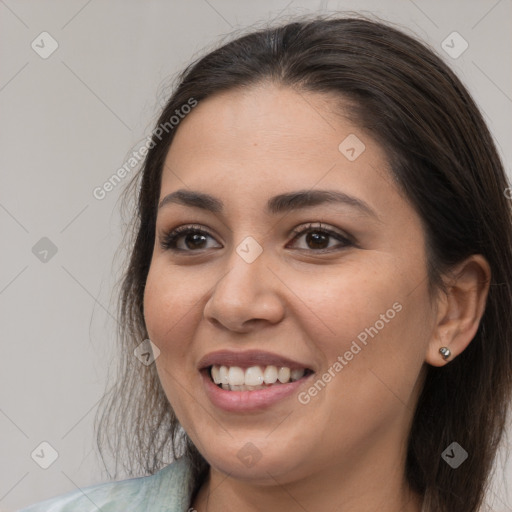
445	163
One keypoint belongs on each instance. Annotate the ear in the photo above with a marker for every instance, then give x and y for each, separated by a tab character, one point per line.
460	310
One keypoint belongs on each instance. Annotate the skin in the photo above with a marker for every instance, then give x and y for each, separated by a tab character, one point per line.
345	449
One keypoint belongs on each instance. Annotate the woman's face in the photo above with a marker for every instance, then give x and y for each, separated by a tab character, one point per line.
346	301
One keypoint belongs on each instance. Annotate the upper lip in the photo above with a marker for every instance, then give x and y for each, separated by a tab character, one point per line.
248	358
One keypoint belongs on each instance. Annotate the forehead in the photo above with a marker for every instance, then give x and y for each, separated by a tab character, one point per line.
256	142
267	117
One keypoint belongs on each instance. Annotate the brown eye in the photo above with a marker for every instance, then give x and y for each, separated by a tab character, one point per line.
194	240
318	238
185	239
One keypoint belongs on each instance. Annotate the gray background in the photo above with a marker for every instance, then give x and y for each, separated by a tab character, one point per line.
68	123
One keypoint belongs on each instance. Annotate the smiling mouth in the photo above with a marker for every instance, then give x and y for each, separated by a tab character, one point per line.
235	378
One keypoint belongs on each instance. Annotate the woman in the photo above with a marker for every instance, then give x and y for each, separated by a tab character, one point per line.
322	260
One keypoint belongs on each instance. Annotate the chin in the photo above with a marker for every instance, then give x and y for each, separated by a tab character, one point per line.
260	466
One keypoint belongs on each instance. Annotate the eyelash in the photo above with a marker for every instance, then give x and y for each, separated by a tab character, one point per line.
169	239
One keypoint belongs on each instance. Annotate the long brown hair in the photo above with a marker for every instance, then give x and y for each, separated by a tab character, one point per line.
445	162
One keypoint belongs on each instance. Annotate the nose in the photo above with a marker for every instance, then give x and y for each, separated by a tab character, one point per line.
246	296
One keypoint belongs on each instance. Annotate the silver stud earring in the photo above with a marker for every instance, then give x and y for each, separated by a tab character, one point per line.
445	352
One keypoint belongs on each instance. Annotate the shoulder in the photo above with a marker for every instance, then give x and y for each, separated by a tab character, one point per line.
168	490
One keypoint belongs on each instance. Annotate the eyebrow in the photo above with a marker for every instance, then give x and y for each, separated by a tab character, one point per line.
281	203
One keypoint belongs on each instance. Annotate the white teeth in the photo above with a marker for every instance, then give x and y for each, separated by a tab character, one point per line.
270	374
223	375
216	374
234	378
253	376
283	374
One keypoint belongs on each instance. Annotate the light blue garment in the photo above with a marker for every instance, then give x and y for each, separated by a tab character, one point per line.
168	490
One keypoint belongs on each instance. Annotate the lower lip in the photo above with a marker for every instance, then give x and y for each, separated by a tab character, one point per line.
241	401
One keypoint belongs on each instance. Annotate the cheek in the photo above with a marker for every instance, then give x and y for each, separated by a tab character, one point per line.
168	300
370	318
168	313
155	300
172	312
345	300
